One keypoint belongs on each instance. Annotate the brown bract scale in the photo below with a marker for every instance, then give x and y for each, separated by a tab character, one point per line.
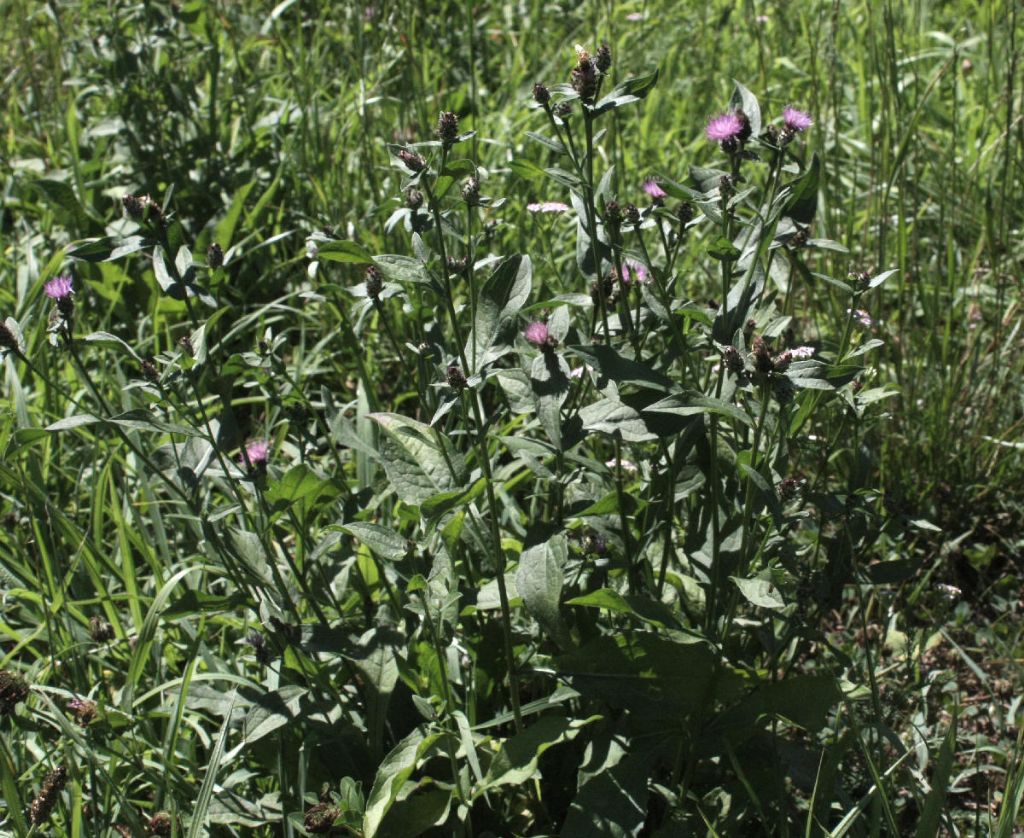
13	691
413	162
320	818
40	808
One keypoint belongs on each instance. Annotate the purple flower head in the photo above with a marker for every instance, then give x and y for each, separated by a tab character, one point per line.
653	188
862	317
59	287
724	127
634	271
548	206
796	120
537	333
257	452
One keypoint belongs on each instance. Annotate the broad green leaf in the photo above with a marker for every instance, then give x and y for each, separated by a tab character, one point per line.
760	592
383	541
516	762
620	369
539	582
693	404
419	460
743	99
392	774
802	203
612	417
501	297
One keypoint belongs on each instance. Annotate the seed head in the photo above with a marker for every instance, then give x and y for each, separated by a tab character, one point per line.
456	378
447	128
13	691
413	198
40	808
215	256
160	824
471	191
100	630
83	710
320	818
374	282
584	78
413	161
7	339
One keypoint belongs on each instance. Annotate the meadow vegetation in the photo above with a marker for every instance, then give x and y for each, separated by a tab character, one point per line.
510	417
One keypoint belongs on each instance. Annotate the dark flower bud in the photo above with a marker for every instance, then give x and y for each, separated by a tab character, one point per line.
413	161
13	691
733	361
594	544
160	824
782	361
374	282
100	630
745	129
447	129
798	239
320	818
732	145
7	339
861	279
456	378
762	356
787	488
54	782
632	215
215	256
584	79
770	135
457	266
562	109
185	342
857	386
726	187
541	95
149	371
83	710
142	207
413	199
613	215
605	290
471	191
603	59
259	647
685	213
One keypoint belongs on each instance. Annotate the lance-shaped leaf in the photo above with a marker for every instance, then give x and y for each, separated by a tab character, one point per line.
420	461
539	581
503	294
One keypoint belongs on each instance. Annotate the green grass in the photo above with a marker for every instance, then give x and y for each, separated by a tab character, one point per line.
486	626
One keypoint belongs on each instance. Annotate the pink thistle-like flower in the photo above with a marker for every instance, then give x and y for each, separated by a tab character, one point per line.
257	453
59	287
627	466
548	206
635	17
796	120
861	317
801	352
726	126
634	271
537	333
653	188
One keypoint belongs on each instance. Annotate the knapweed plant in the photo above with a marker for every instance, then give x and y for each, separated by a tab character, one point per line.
457	539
